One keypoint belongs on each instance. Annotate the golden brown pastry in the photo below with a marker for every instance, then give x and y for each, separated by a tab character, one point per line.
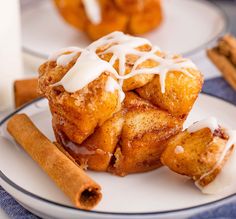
201	152
100	17
179	96
97	112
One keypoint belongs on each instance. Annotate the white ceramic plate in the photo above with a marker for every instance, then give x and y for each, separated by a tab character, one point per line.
156	194
187	27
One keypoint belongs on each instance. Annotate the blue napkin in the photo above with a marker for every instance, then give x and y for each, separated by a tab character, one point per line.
217	87
12	208
224	212
220	88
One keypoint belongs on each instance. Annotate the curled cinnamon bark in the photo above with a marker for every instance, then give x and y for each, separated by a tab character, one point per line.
224	58
25	90
72	180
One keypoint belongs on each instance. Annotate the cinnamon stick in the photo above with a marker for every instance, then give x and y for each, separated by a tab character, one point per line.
224	58
71	179
227	68
25	91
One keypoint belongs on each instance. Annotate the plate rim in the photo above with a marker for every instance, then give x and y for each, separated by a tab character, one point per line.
94	212
190	53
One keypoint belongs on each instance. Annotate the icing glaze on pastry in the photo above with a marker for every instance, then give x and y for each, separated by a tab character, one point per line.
62	51
88	69
64	60
166	64
93	10
179	149
122	45
120	38
112	85
225	177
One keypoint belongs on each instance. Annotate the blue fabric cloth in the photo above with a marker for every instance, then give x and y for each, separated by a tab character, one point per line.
217	87
224	212
12	208
220	88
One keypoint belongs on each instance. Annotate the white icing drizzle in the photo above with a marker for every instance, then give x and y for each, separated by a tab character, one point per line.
166	64
226	176
122	45
93	11
87	68
112	85
64	60
210	123
119	45
222	179
120	38
60	52
179	149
